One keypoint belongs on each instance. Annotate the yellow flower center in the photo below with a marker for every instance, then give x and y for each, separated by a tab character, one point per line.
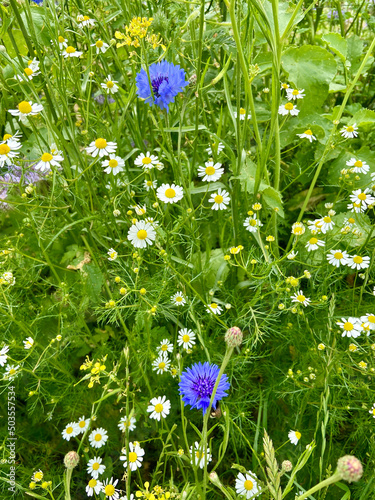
92	483
98	437
164	347
357	259
178	299
298	435
327	219
218	199
24	107
6	137
110	84
61	39
161	365
371	318
4	149
113	163
289	106
373	411
242	111
348	326
82	424
308	132
149	183
253	222
338	255
146	160
248	485
198	454
132	457
46	157
100	143
358	163
301	298
284	85
170	193
213	305
70	50
28	71
351	220
38	476
142	234
362	196
210	170
313	241
109	490
95	466
85	18
350	129
69	430
159	408
186	338
99	44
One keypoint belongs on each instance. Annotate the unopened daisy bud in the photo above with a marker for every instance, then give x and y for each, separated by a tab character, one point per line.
228	306
281	306
321	347
286	466
117	279
71	460
143	291
214	478
350	468
116	213
233	337
123	291
32	485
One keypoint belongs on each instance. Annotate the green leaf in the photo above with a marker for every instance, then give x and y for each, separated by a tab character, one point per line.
273	199
337	44
20	42
95	282
212	186
364	118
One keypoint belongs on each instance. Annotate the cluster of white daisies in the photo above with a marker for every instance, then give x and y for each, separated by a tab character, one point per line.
162	364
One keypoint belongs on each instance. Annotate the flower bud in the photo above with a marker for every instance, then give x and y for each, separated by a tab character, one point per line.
233	337
286	466
214	478
350	468
71	460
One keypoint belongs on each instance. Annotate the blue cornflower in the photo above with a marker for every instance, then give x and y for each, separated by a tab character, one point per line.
197	384
167	81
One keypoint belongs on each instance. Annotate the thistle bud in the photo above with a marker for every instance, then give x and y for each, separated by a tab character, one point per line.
286	466
71	460
350	468
233	337
214	478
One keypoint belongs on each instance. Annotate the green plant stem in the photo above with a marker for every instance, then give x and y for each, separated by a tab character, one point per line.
68	477
324	484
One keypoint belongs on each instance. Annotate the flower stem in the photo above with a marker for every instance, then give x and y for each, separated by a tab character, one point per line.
333	479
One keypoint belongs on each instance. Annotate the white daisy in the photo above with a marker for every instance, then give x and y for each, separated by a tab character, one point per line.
98	437
109	489
326	224
101	147
170	193
293	94
350	131
360	167
159	407
71	52
252	223
292	255
178	299
85	21
215	147
247	486
362	197
315	226
284	86
26	109
298	229
112	254
49	159
337	257
212	172
356	207
11	371
350	327
220	200
8	151
7	278
138	209
358	262
288	109
83	424
70	431
314	244
294	436
94	485
146	161
150	220
126	423
136	454
37	476
370	320
300	298
197	455
28	343
110	85
95	467
100	46
161	363
150	184
141	234
307	135
242	114
214	308
372	411
63	42
29	72
115	164
186	338
165	346
4	355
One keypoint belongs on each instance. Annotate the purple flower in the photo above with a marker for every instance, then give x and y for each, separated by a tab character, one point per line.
167	80
197	384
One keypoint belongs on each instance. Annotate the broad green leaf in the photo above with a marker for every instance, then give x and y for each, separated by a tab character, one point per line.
273	199
20	42
364	118
40	26
337	44
285	12
208	187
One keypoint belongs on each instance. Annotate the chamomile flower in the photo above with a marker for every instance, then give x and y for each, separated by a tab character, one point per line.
370	320
246	485
178	299
242	114
294	437
4	355
220	200
114	165
26	109
215	147
214	308
337	257
139	210
314	244
98	437
165	346
198	456
83	424
112	254
101	147
288	109
159	407
29	72
326	224
161	364
110	85
351	327
300	298
94	485
292	255
95	467
350	131
212	172
298	229
186	338
293	94
358	262
85	21
284	86
109	489
356	207
307	135
63	42
127	423
141	234
49	159
359	166
8	151
28	343
362	197
136	454
170	193
252	223
148	184
146	161
100	46
372	411
71	430
37	476
71	52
